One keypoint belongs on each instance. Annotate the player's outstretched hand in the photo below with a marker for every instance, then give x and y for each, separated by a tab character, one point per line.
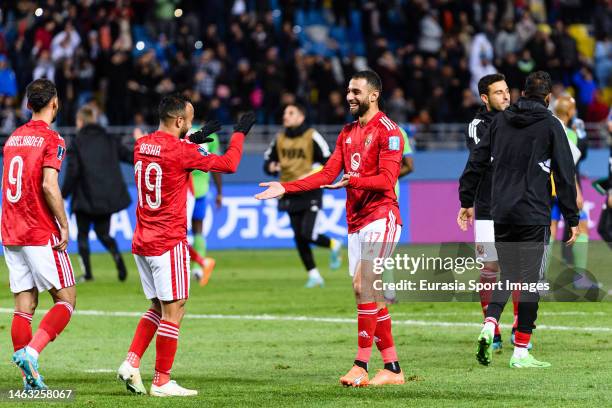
245	123
63	242
202	135
465	215
275	189
344	181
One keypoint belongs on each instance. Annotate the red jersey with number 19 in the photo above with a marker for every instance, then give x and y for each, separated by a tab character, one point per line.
162	164
371	155
26	217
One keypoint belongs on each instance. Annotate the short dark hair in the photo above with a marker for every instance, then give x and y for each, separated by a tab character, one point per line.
297	106
538	85
39	94
488	80
371	78
171	106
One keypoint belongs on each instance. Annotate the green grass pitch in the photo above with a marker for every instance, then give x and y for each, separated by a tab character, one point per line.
248	360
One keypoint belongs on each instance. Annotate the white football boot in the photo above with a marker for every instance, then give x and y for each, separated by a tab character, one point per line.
171	389
131	377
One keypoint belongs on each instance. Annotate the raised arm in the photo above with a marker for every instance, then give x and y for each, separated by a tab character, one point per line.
196	158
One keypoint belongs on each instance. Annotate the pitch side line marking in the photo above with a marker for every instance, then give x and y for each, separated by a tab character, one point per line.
265	317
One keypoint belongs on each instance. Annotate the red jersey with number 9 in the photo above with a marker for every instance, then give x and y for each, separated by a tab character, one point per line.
26	217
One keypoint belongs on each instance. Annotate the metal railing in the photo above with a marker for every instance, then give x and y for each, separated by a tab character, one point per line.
439	136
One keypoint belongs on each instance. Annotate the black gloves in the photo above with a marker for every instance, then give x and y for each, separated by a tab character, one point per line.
245	123
201	136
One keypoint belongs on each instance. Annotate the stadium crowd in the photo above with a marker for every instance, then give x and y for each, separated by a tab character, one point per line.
232	56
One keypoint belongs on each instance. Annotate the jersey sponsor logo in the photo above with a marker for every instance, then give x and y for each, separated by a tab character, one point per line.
394	142
25	141
293	153
60	152
150	149
348	140
355	161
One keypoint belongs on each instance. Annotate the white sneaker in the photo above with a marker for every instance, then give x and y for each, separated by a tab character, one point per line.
131	377
171	389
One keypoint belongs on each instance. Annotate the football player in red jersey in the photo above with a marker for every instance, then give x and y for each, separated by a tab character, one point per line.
369	151
163	161
35	230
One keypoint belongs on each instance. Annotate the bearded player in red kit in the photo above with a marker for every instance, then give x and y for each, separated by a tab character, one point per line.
35	230
369	151
163	161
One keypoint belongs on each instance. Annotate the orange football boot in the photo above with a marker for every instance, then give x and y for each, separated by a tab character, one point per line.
209	265
385	377
356	377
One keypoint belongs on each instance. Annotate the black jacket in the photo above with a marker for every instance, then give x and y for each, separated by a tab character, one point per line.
523	145
93	177
473	135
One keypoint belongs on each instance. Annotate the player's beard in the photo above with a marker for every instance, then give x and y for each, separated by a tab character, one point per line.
183	133
363	107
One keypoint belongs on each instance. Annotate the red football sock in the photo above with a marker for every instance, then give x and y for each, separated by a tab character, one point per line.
52	325
165	347
521	339
195	256
142	337
21	330
366	326
384	338
516	295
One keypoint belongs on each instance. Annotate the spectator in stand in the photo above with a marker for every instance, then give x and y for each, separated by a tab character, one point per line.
8	80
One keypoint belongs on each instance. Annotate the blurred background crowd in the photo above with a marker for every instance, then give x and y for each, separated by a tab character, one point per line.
231	56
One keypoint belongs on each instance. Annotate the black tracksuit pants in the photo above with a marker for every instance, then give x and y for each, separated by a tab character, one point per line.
101	227
522	252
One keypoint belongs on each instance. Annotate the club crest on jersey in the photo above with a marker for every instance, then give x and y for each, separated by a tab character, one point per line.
394	143
355	161
60	152
203	151
368	140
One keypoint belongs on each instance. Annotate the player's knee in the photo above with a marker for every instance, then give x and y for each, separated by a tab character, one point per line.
491	266
67	295
173	311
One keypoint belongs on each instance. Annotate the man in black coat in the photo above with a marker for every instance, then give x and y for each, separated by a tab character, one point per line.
522	145
96	184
